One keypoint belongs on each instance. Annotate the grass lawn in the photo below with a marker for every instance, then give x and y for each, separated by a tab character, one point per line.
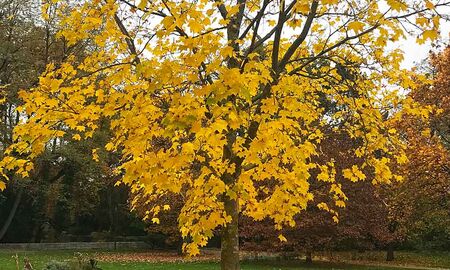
416	258
40	258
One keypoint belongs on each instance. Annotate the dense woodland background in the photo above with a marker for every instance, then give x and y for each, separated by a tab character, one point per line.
71	197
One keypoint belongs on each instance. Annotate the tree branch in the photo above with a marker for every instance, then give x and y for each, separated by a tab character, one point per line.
312	59
222	9
300	38
128	38
276	41
256	20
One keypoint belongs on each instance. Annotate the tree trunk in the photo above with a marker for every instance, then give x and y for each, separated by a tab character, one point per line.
308	256
11	215
180	246
229	256
390	253
392	226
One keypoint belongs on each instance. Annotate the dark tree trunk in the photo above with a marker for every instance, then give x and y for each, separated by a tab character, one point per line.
11	215
392	227
390	253
180	246
110	210
308	258
229	256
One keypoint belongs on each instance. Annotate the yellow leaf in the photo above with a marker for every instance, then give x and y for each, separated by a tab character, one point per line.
356	26
402	159
430	34
155	220
396	5
168	21
143	4
421	21
76	137
347	173
323	206
330	2
188	148
358	173
195	26
220	125
282	238
339	203
429	5
80	128
272	22
109	146
95	156
2	185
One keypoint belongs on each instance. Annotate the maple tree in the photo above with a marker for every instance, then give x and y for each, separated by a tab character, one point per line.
222	101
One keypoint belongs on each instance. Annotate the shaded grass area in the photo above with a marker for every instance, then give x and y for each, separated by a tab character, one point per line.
40	258
439	259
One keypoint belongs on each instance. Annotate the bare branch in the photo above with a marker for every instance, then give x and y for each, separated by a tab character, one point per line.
256	20
417	11
276	41
300	38
128	39
312	59
271	32
222	9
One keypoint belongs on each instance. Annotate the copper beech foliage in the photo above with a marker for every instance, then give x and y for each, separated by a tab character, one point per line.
221	102
363	222
422	201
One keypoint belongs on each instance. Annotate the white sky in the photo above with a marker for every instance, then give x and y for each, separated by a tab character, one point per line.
414	52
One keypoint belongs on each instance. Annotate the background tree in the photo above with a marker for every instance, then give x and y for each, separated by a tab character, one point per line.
421	203
165	232
67	191
24	53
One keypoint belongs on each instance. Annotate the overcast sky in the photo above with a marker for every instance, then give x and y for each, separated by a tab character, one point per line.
414	52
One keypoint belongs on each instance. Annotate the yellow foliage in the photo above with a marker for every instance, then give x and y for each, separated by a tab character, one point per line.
195	109
356	26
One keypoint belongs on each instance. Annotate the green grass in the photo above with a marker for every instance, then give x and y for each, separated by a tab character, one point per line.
40	258
440	259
